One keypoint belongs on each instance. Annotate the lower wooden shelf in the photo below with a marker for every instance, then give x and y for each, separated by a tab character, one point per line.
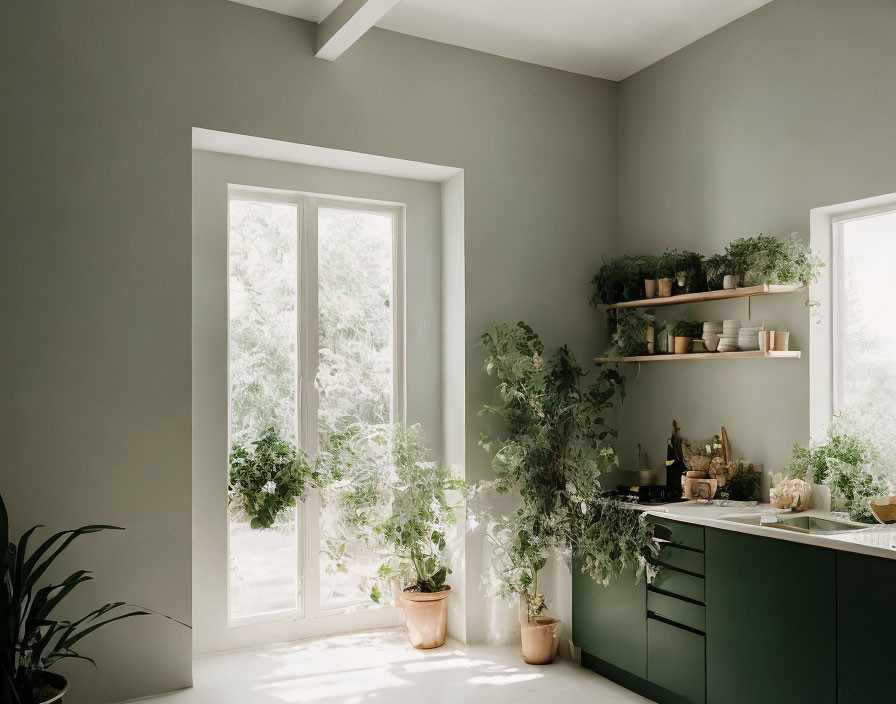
755	354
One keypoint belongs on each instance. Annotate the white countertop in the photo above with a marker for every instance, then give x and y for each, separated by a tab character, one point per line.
875	540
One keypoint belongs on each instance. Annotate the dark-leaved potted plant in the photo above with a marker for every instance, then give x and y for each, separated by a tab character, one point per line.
32	638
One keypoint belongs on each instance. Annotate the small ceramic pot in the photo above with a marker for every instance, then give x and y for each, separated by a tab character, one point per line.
782	341
650	288
664	287
711	342
682	345
698	346
540	640
730	281
426	614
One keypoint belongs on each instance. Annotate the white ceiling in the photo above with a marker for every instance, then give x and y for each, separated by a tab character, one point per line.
603	38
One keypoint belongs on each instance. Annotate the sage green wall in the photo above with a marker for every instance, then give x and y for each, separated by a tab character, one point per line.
786	109
99	100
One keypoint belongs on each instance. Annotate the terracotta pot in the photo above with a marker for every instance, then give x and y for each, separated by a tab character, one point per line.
650	288
682	345
782	341
540	642
57	683
664	287
426	615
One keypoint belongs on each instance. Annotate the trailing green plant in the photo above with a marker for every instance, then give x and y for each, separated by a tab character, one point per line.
687	328
555	444
33	639
267	478
630	337
403	505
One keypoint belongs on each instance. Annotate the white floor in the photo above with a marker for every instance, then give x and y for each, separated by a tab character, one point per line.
381	666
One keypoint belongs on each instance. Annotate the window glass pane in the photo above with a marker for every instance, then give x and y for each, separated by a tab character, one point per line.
355	373
263	564
869	327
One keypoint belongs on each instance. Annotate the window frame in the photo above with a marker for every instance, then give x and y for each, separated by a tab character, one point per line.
838	295
308	604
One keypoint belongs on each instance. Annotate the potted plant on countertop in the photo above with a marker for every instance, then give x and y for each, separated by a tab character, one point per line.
33	640
685	332
404	505
554	444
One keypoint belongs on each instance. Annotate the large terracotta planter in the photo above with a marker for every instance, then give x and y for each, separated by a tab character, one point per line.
540	641
426	615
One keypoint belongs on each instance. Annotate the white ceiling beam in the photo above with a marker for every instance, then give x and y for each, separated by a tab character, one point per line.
347	24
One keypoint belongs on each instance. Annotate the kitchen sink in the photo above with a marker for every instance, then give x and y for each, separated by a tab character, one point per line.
800	524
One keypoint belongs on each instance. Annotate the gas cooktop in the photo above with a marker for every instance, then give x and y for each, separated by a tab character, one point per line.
653	495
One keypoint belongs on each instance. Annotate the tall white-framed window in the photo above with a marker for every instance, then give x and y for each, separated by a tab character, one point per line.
315	344
863	349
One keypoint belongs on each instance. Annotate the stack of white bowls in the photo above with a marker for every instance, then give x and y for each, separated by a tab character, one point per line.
730	336
748	338
712	331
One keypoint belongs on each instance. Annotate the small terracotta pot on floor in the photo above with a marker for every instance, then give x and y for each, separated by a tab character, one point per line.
540	641
426	615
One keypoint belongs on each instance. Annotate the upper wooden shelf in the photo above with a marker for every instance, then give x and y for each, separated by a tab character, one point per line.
761	290
662	357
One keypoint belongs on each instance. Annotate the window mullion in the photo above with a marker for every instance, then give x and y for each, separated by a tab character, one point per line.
308	356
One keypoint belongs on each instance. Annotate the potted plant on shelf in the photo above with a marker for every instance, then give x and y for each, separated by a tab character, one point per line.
623	278
715	267
554	444
689	276
404	506
685	332
632	337
666	265
33	640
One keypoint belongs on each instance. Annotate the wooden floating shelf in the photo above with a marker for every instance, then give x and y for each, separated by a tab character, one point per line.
754	354
761	290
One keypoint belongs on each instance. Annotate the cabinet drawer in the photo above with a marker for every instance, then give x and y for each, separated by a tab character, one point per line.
676	661
682	559
674	609
686	585
686	534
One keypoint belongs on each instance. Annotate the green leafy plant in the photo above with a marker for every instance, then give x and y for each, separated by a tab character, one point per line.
667	264
402	507
630	338
555	443
843	442
855	486
743	486
768	259
622	279
687	328
689	272
267	478
715	267
33	640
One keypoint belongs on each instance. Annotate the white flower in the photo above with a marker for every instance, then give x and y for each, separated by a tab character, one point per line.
537	362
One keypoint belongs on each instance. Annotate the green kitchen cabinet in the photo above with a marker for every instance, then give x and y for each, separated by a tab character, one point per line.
866	622
771	621
610	623
676	662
